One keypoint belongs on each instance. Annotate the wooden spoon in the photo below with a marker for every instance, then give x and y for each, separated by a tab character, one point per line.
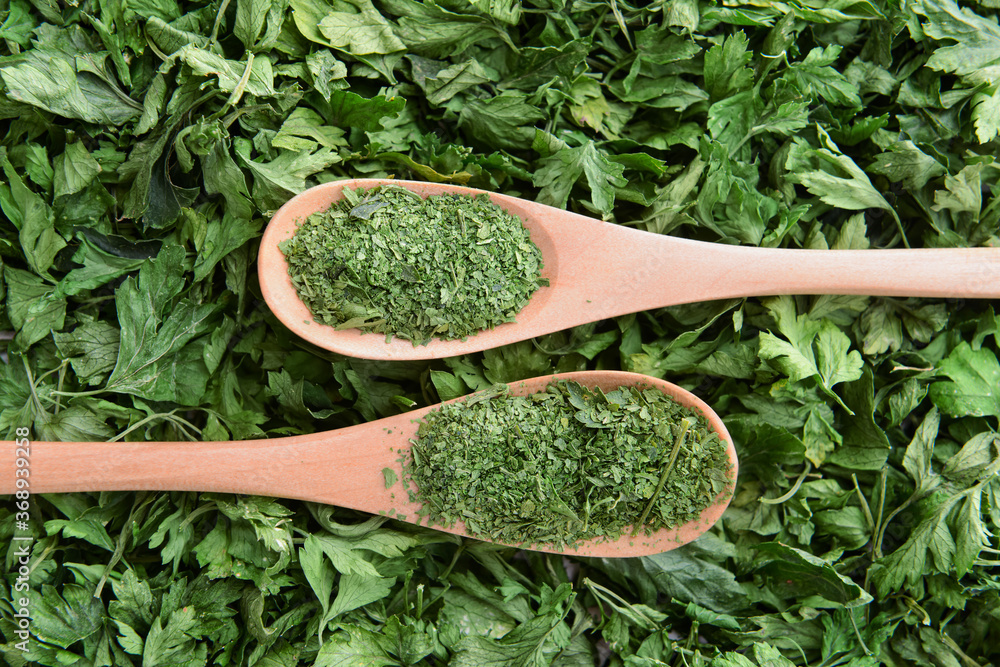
342	467
598	270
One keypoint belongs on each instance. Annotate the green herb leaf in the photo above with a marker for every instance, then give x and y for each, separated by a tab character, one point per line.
501	120
65	617
154	358
50	80
976	37
147	142
975	376
806	573
360	31
560	172
834	178
354	645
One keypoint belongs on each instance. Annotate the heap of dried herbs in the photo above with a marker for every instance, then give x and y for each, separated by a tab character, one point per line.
565	465
447	266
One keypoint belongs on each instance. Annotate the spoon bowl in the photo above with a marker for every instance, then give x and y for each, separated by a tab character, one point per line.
342	467
597	270
284	301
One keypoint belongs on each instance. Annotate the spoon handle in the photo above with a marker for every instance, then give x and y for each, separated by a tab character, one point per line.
341	467
640	271
925	272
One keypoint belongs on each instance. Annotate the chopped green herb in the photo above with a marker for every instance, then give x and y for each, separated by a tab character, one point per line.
390	477
565	465
392	262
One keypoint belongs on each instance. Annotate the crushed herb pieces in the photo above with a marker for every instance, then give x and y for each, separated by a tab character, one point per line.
388	261
565	465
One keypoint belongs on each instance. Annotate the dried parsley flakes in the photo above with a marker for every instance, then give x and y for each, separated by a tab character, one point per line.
392	262
566	465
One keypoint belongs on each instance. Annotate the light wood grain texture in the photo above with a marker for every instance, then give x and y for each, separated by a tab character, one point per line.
598	270
342	467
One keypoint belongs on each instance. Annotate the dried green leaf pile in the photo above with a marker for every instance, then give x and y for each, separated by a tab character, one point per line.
565	465
393	262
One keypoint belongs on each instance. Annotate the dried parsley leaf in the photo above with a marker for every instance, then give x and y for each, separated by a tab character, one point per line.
392	262
566	465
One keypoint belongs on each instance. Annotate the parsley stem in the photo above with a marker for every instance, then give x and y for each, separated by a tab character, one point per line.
792	491
218	21
44	375
241	85
881	532
864	504
195	513
167	416
454	560
678	443
32	384
883	476
92	392
857	633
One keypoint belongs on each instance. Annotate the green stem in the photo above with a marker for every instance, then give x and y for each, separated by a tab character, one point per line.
883	476
678	443
218	21
207	507
864	504
50	372
857	633
93	392
135	426
169	416
181	423
451	565
792	491
881	532
32	385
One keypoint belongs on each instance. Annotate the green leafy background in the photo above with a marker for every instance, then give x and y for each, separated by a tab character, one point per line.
145	143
